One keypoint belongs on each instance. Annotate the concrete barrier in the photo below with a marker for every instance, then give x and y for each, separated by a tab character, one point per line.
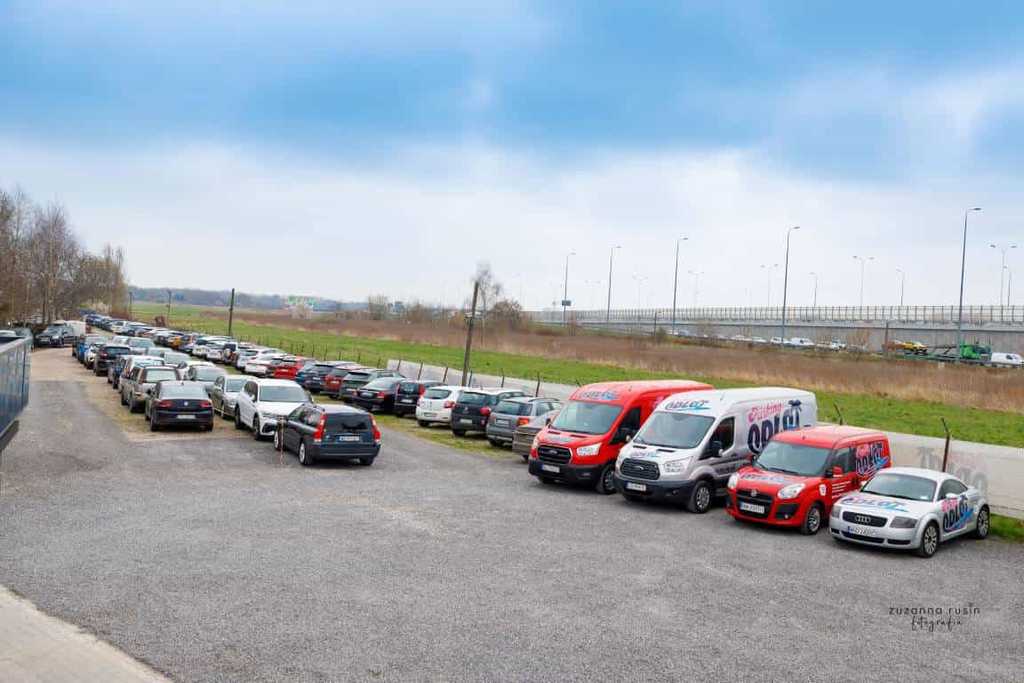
998	471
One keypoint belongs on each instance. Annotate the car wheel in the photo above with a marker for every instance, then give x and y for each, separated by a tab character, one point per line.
525	457
812	520
929	540
238	419
304	459
700	498
422	423
256	428
459	432
123	402
495	443
981	530
153	426
606	482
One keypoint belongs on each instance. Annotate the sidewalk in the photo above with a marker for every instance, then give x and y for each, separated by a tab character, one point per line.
37	647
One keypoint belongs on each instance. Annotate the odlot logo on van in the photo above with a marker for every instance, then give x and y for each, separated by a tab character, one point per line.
684	405
956	514
768	420
595	395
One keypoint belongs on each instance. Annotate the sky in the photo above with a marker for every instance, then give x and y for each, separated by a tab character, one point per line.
349	149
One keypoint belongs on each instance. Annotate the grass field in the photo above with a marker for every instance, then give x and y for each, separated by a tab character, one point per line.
864	409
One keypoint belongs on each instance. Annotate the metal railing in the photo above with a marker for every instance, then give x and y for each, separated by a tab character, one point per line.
15	364
921	315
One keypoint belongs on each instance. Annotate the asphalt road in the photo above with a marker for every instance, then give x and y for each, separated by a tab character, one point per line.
207	559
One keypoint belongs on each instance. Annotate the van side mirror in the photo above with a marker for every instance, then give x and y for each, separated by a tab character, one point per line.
622	435
713	450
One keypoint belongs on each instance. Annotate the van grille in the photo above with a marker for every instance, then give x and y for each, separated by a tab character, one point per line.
639	469
554	454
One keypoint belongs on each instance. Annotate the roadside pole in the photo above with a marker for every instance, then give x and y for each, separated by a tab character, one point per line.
469	331
231	311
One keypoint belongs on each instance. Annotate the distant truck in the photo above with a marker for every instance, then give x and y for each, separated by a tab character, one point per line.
15	363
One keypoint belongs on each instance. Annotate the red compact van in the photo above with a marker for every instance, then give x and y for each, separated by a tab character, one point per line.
795	480
581	444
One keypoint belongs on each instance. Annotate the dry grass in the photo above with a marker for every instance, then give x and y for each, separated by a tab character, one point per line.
986	388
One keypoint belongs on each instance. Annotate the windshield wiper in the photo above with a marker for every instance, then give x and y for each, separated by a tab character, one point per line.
779	469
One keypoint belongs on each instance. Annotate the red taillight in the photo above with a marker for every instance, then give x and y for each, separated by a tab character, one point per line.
318	435
485	411
423	388
376	430
449	404
164	404
522	421
205	404
381	394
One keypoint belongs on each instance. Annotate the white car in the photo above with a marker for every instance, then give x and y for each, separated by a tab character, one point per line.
183	367
435	406
214	351
263	402
1006	360
910	508
258	365
800	343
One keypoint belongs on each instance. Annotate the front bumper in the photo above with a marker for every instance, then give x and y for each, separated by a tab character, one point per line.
879	537
572	474
654	490
788	513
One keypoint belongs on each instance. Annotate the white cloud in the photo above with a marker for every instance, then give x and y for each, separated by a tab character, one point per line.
210	216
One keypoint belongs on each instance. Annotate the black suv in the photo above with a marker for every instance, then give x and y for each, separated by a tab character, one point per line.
473	409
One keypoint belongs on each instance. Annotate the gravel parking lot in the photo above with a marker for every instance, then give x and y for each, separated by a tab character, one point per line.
204	556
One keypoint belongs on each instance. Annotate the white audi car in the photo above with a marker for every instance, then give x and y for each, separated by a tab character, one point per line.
909	508
262	403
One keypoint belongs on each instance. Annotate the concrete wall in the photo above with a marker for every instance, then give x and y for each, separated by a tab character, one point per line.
996	470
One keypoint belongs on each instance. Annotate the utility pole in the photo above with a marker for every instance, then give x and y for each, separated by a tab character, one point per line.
231	312
168	320
608	312
963	269
903	284
814	296
469	332
131	304
565	291
863	261
675	284
1003	248
785	283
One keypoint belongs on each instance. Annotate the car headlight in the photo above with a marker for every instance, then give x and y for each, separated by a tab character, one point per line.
791	491
733	480
675	466
836	510
592	449
903	523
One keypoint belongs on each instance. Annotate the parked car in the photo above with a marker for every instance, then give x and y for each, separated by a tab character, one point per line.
408	395
329	432
262	402
124	365
471	412
139	383
435	407
204	374
141	344
175	359
57	334
378	395
580	446
334	378
106	355
512	413
800	343
1006	360
259	365
357	379
524	435
83	344
691	444
312	375
224	393
288	368
178	403
800	474
909	508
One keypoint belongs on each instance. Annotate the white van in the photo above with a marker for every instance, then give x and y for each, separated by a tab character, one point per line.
692	442
1006	360
76	326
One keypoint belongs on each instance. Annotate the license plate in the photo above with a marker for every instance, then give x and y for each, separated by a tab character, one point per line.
348	438
501	423
551	468
186	417
750	507
407	400
426	414
635	487
862	530
465	421
366	394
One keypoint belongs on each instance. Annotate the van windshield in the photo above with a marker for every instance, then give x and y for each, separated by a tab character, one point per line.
674	430
791	458
585	417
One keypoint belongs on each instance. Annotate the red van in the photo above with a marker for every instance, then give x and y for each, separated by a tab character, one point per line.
581	444
795	480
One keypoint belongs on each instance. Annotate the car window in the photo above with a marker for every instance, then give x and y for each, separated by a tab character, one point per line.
725	433
296	415
951	486
159	375
312	417
437	393
845	459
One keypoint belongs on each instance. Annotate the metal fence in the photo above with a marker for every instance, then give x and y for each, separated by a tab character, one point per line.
922	315
15	363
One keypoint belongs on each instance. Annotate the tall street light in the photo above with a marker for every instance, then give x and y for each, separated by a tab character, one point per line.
696	284
903	283
565	287
608	312
1009	284
814	296
963	270
785	281
675	284
768	269
639	279
1002	270
863	260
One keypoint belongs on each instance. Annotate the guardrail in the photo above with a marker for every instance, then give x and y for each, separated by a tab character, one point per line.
15	364
922	315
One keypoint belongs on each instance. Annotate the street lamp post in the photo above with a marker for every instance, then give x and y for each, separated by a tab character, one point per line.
963	270
814	296
863	261
1002	270
675	284
903	284
608	311
785	282
639	279
565	287
768	269
1009	284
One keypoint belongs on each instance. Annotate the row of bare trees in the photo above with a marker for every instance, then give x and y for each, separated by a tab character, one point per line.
45	272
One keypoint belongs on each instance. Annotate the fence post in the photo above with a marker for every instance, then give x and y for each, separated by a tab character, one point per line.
419	374
398	368
537	392
503	379
444	378
945	453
